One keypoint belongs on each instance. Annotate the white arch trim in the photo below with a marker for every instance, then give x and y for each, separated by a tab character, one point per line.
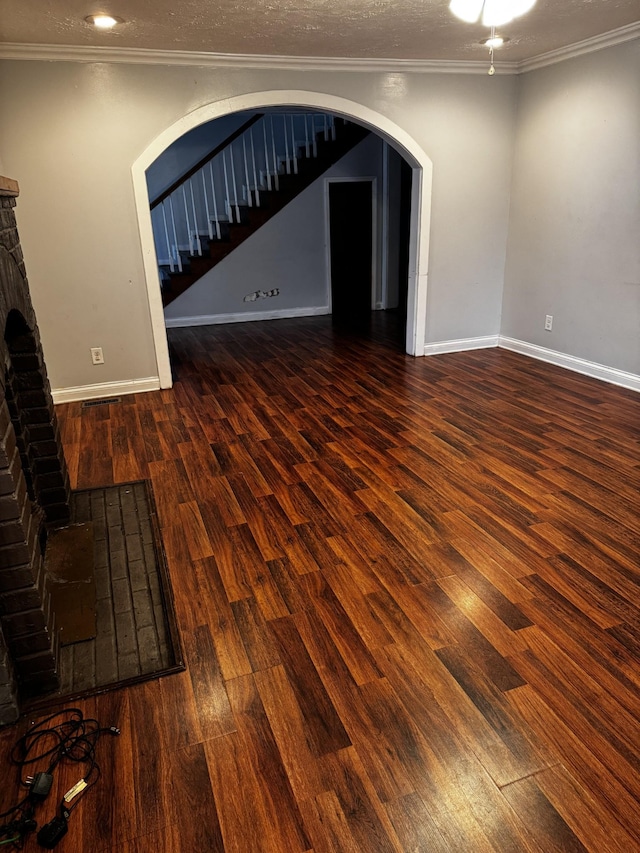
395	135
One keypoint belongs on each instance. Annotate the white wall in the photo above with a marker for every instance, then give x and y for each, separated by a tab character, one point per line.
574	236
69	133
288	253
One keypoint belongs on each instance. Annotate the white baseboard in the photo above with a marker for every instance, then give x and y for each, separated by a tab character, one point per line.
245	317
571	362
105	389
560	359
461	345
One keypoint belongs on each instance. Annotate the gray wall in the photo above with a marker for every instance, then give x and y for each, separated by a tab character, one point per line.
470	140
574	235
70	131
289	253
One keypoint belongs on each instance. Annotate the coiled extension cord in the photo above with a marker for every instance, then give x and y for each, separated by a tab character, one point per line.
63	737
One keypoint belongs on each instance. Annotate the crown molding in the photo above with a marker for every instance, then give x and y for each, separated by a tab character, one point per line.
613	37
143	56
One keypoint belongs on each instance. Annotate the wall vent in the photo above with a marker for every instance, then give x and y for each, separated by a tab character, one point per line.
89	404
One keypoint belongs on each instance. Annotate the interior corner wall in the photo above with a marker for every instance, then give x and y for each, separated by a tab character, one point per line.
70	132
574	245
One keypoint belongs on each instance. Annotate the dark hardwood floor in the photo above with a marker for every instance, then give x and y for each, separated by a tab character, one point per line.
408	596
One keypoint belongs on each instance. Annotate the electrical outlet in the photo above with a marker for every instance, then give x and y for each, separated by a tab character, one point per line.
96	355
548	322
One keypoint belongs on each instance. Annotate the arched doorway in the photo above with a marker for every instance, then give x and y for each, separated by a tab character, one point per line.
384	127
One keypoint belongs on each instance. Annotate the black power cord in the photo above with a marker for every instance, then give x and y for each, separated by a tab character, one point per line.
63	737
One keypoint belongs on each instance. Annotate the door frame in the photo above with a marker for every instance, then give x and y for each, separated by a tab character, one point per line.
394	134
374	233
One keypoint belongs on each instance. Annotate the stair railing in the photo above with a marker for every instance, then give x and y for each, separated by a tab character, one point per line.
219	187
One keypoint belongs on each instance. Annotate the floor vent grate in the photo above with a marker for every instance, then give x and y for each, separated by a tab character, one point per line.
89	404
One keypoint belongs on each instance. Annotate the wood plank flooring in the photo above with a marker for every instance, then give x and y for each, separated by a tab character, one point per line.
408	595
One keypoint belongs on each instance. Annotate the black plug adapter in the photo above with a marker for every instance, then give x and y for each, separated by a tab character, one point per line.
51	833
40	786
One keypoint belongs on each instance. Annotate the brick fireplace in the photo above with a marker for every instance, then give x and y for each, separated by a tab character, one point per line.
34	484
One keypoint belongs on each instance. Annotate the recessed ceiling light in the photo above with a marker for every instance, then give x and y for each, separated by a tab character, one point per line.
102	21
495	41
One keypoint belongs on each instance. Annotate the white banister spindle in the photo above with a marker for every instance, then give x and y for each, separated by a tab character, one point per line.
206	205
307	149
295	146
234	183
266	153
226	188
166	237
186	217
326	129
175	235
255	174
314	136
276	177
195	219
332	122
286	145
215	200
246	171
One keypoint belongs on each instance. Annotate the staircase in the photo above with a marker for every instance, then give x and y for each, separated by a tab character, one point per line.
239	186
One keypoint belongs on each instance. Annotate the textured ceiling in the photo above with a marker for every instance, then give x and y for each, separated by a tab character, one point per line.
378	29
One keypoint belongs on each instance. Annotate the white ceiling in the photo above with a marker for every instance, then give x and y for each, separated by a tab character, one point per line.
373	29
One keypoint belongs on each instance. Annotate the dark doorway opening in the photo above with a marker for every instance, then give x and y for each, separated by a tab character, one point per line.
351	252
352	225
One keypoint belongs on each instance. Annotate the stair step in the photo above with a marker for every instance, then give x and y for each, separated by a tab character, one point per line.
199	266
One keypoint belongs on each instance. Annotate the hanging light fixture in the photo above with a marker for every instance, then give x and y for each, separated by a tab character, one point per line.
494	13
492	42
